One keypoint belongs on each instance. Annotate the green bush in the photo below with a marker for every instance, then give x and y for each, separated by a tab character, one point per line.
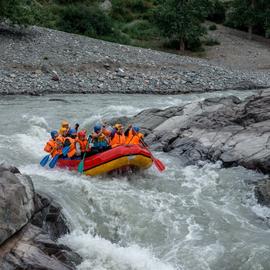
211	42
81	19
141	29
118	37
17	11
195	45
212	27
129	10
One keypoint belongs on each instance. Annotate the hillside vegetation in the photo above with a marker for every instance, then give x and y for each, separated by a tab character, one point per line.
168	24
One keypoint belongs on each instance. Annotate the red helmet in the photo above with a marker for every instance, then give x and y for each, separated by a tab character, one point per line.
82	133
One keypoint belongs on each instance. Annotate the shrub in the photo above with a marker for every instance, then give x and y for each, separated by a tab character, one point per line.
141	29
195	45
81	19
128	10
212	27
211	42
117	37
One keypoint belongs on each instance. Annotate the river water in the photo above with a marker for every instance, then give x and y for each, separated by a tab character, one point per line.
194	217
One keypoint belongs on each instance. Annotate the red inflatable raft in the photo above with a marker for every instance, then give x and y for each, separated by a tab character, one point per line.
117	159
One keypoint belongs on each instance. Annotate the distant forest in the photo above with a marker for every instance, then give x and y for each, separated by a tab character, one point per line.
168	24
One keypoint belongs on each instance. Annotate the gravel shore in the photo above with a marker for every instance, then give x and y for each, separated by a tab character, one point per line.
43	61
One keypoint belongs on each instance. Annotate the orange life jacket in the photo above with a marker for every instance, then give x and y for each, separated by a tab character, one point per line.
133	139
72	148
51	147
83	144
118	139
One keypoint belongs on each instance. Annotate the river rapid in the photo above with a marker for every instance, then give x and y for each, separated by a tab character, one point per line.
193	217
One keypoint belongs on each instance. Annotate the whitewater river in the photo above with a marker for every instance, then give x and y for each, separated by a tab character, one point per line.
194	217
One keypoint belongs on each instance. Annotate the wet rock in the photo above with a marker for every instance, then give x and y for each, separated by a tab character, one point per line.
16	202
227	129
262	192
30	224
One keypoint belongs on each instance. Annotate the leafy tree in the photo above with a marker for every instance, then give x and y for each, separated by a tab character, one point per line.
181	20
16	11
250	14
81	19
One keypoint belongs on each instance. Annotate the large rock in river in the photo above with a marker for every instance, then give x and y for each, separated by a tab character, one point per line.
226	129
30	224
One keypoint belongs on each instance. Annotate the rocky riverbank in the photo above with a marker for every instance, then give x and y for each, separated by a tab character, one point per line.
41	61
30	225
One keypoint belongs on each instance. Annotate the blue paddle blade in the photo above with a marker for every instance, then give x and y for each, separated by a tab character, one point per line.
65	150
53	161
44	161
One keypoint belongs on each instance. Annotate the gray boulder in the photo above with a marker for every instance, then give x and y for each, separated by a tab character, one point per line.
16	202
227	129
30	224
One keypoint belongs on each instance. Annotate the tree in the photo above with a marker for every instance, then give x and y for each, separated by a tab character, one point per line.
16	11
181	19
250	14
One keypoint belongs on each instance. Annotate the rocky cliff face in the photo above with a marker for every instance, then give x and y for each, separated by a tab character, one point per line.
30	224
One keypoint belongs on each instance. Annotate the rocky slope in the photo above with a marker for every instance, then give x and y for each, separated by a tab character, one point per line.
43	61
30	224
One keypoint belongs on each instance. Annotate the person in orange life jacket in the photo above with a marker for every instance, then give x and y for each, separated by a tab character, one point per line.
70	141
50	146
99	139
64	126
117	136
63	132
82	144
133	136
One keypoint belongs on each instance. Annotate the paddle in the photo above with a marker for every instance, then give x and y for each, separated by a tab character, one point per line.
55	159
81	164
44	161
158	163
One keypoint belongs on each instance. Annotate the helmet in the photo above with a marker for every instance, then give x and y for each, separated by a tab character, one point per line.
136	128
72	131
97	127
62	130
82	133
65	124
54	133
117	126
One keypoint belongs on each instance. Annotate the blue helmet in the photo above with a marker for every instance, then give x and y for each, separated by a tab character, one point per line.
136	128
53	133
72	131
97	127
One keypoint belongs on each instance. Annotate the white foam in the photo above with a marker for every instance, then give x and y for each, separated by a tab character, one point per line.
33	142
39	121
99	253
119	110
195	231
261	211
